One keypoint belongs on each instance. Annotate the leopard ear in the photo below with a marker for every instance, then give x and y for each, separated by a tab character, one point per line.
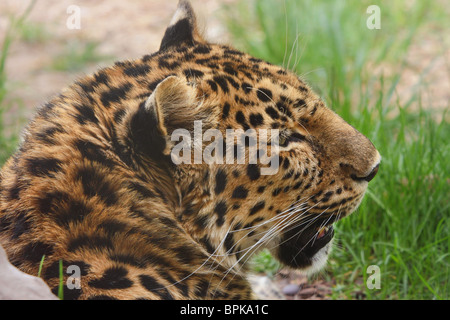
182	28
172	105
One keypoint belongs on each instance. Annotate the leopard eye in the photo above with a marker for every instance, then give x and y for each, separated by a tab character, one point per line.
296	137
283	140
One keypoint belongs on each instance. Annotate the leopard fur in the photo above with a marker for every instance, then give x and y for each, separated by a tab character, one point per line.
93	185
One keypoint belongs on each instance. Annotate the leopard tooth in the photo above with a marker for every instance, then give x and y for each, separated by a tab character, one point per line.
322	231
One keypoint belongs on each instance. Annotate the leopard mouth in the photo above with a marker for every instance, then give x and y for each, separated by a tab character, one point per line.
302	248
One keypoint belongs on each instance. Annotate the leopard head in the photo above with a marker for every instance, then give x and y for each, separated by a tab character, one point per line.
319	167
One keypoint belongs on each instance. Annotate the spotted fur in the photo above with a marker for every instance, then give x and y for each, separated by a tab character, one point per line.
93	185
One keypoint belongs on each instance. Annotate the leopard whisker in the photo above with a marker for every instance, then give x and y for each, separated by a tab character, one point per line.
286	34
196	270
272	232
288	211
293	258
248	250
298	222
278	216
292	48
321	226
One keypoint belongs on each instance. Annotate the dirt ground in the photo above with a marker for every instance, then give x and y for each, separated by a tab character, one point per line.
130	29
122	30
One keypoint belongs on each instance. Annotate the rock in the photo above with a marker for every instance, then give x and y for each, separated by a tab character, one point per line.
291	289
314	297
307	292
17	285
323	289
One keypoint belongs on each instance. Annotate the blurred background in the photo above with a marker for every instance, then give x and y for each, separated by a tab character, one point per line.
391	83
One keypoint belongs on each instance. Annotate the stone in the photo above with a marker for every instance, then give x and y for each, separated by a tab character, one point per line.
17	285
307	292
291	289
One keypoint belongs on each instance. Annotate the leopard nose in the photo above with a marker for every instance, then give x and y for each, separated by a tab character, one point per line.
369	177
372	174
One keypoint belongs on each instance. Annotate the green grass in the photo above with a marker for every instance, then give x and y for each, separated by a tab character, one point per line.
41	264
61	277
8	136
403	224
33	32
265	263
77	55
61	281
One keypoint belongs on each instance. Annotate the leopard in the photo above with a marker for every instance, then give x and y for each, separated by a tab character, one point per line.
93	185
